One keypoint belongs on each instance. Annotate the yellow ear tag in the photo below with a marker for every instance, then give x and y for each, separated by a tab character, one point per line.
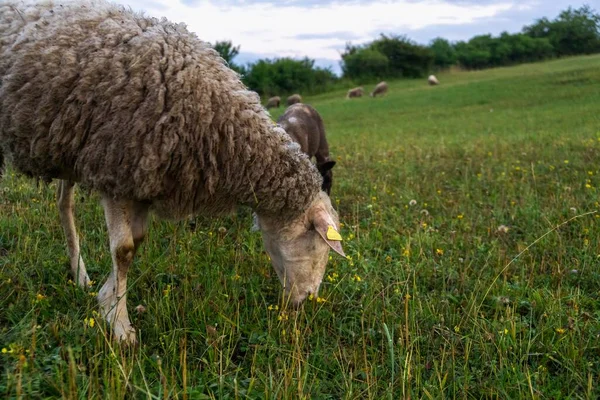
332	234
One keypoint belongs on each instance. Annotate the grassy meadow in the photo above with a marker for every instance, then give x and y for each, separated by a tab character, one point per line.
470	222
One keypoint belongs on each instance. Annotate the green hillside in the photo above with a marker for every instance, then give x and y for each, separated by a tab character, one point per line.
470	222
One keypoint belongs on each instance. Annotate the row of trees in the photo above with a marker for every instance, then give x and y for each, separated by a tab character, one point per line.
286	75
278	76
572	32
386	57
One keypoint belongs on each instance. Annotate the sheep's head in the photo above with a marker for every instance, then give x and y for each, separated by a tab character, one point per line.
299	249
325	170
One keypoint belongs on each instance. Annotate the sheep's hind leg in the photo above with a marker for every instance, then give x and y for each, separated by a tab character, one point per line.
126	222
139	224
65	201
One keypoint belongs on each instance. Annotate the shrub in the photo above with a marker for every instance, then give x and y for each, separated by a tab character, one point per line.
365	64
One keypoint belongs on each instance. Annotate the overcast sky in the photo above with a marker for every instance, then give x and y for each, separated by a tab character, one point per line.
319	29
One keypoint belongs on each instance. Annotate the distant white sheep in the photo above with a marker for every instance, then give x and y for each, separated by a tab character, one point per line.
356	92
273	102
293	99
143	112
433	80
381	88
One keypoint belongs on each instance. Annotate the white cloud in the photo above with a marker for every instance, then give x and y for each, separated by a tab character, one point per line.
271	29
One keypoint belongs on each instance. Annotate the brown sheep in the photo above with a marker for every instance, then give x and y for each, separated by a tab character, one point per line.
274	102
356	92
304	124
293	99
381	88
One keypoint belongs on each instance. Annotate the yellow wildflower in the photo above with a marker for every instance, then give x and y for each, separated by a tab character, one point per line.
439	252
560	331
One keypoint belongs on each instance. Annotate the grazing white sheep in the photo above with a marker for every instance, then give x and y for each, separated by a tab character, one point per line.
355	92
143	112
381	88
293	99
273	102
432	80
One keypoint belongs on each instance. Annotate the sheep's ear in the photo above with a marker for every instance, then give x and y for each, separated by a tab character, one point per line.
326	227
326	166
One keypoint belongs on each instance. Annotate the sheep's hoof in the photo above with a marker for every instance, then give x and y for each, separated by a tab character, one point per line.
125	333
80	273
83	281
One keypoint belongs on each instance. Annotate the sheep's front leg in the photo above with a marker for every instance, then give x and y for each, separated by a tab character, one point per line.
126	222
65	201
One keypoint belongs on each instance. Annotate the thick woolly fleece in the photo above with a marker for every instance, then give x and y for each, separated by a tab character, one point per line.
139	108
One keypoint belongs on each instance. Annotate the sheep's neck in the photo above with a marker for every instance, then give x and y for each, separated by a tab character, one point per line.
286	186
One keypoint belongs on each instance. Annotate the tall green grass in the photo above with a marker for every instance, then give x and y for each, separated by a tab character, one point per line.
473	270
